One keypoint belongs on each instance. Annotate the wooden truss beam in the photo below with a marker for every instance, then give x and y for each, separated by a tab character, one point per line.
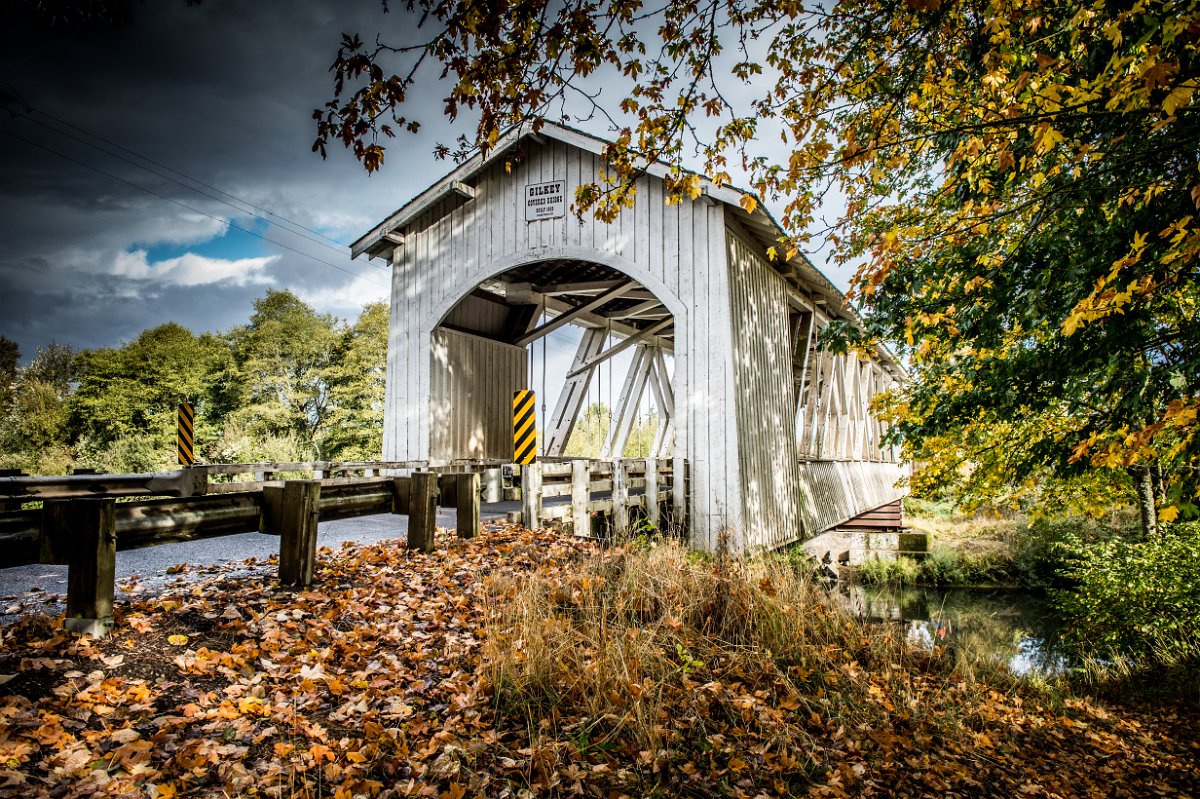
573	395
621	346
570	315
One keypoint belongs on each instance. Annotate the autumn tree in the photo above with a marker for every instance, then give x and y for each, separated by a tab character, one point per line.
34	431
1018	184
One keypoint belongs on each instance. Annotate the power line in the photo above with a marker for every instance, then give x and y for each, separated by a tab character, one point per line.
225	222
340	249
147	159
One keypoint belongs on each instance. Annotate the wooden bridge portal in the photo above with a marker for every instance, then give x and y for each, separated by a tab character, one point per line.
774	433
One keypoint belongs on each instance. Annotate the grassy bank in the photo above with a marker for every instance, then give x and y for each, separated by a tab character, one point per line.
531	664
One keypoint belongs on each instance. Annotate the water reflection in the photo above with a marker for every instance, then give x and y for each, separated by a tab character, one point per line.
1015	628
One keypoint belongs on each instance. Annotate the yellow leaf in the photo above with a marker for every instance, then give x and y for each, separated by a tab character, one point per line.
748	203
1168	515
1179	96
177	640
164	791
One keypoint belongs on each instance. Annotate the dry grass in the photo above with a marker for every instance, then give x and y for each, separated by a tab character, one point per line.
628	642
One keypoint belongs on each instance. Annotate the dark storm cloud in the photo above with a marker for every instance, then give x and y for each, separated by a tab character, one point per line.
223	93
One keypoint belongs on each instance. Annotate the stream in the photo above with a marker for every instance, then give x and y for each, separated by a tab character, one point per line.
1016	628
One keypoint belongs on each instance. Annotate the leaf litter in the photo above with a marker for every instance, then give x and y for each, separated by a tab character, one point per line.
529	663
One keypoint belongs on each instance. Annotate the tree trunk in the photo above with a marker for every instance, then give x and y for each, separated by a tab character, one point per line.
1143	481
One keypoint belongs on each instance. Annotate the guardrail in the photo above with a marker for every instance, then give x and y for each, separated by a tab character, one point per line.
81	524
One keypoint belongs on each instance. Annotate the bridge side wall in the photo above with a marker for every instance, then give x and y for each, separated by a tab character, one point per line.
763	385
830	492
676	251
472	381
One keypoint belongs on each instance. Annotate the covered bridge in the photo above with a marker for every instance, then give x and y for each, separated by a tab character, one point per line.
774	433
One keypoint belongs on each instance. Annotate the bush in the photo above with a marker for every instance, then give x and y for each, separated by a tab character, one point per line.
888	572
1137	599
1042	551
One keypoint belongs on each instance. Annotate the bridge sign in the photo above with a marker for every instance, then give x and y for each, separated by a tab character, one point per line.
545	200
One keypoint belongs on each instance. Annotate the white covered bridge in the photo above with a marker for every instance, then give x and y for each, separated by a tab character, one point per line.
770	437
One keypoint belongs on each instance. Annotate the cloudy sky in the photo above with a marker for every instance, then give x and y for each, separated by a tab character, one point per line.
105	140
100	243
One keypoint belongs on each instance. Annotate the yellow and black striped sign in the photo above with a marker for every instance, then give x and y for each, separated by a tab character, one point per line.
185	438
524	426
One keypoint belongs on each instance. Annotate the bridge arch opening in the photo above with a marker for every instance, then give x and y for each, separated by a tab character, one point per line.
597	345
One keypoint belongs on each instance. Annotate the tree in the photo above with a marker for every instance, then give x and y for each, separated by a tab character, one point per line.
1020	186
10	356
125	405
284	355
33	428
356	388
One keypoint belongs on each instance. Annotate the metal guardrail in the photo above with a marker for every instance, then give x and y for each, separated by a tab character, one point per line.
183	483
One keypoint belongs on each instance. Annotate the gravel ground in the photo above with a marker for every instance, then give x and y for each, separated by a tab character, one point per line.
39	588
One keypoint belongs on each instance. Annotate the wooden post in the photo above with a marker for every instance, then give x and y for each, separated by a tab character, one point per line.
679	492
422	511
652	491
91	573
581	498
531	495
620	497
468	504
448	491
401	488
298	532
271	518
54	539
493	485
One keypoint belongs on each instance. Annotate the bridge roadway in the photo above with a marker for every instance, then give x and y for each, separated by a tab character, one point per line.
40	588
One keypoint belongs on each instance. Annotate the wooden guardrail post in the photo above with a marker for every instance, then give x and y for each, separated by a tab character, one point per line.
422	510
54	538
468	489
581	498
298	532
91	573
271	515
531	495
652	491
620	497
401	490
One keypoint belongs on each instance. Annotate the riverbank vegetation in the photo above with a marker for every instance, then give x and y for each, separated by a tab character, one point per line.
535	664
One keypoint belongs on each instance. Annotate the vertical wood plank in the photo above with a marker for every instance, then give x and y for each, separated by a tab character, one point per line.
91	571
531	495
652	490
298	532
468	505
620	497
422	511
270	519
581	498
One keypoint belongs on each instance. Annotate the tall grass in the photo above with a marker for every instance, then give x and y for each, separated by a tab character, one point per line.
616	651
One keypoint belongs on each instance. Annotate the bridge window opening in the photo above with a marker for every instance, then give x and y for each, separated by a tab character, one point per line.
558	327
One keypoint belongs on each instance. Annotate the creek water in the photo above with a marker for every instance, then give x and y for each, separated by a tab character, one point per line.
1017	629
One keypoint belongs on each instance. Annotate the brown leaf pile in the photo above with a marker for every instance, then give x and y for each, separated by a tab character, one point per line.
528	663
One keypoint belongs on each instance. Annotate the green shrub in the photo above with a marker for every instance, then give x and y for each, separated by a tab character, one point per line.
888	572
1137	599
1041	552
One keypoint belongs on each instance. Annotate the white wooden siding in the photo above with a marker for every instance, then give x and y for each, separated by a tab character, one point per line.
471	388
762	369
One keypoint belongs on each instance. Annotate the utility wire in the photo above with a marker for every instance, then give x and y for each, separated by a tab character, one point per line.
340	249
225	222
147	159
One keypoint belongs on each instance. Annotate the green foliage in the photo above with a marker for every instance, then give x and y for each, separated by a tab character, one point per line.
1041	551
284	355
900	571
1138	599
356	379
290	385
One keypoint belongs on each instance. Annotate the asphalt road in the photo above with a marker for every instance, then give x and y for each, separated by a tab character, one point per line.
40	588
